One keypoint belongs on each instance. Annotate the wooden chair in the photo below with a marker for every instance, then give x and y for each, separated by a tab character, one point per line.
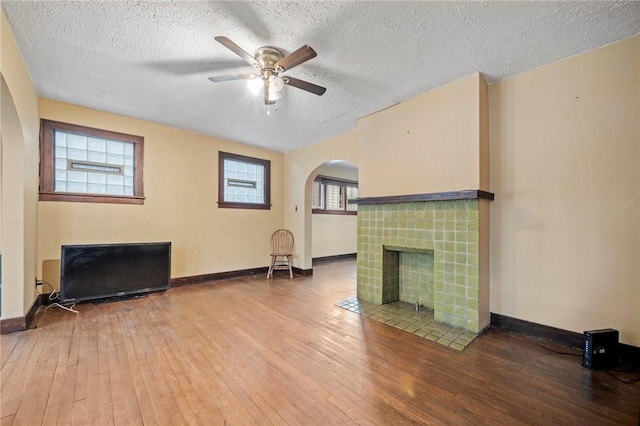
281	252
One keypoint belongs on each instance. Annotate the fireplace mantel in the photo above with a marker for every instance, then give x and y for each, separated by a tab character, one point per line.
467	194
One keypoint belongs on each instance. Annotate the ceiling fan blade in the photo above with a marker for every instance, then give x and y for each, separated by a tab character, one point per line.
238	51
220	78
296	58
304	85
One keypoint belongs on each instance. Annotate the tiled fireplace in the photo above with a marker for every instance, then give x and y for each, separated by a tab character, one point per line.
427	248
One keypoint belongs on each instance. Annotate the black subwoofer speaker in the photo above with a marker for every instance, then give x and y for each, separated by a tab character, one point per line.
600	349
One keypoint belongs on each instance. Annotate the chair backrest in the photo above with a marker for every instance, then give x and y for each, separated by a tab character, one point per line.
282	242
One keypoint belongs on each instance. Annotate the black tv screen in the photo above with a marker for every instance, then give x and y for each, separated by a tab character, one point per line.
101	271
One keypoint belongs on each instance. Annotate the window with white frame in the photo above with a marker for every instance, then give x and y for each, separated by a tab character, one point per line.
84	164
244	182
331	195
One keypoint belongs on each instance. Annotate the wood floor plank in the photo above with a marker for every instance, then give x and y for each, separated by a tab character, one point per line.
93	396
257	351
79	413
7	420
24	370
59	351
125	402
8	344
65	399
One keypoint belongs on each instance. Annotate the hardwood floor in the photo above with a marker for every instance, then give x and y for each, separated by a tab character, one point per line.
252	351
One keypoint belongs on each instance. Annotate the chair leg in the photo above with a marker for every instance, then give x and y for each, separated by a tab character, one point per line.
290	262
270	272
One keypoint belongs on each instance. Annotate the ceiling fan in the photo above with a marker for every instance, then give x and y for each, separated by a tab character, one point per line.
270	62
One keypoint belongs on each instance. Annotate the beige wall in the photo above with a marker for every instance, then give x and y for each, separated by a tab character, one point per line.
334	234
302	166
431	143
18	178
180	185
565	161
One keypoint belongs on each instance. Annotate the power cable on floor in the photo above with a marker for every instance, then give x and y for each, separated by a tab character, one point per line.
55	294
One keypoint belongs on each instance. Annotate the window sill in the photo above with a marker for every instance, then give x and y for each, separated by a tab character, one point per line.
225	205
90	198
337	212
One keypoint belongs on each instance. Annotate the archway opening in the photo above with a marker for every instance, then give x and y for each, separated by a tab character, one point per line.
11	207
331	221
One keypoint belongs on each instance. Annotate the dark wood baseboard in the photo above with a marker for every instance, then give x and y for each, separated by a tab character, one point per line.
218	276
302	272
348	256
11	325
626	353
532	329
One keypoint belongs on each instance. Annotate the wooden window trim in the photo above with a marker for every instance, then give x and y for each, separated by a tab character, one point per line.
47	193
267	182
338	212
328	180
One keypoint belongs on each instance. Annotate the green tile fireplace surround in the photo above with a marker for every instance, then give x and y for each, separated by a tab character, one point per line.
424	248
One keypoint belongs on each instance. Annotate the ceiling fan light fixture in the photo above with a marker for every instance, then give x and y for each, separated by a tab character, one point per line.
276	83
269	62
274	95
255	85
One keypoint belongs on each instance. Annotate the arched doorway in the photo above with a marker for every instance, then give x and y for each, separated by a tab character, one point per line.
11	207
332	221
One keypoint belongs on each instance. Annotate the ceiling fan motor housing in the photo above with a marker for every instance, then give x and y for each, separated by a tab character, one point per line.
267	57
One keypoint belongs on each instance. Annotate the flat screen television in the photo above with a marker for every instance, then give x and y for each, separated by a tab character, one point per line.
103	271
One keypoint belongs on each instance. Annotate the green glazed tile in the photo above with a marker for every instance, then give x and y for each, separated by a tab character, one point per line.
457	346
460	269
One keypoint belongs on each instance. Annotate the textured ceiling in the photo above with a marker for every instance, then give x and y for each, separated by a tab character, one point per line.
151	59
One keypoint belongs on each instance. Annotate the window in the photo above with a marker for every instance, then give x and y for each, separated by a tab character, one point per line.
243	182
83	164
331	195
